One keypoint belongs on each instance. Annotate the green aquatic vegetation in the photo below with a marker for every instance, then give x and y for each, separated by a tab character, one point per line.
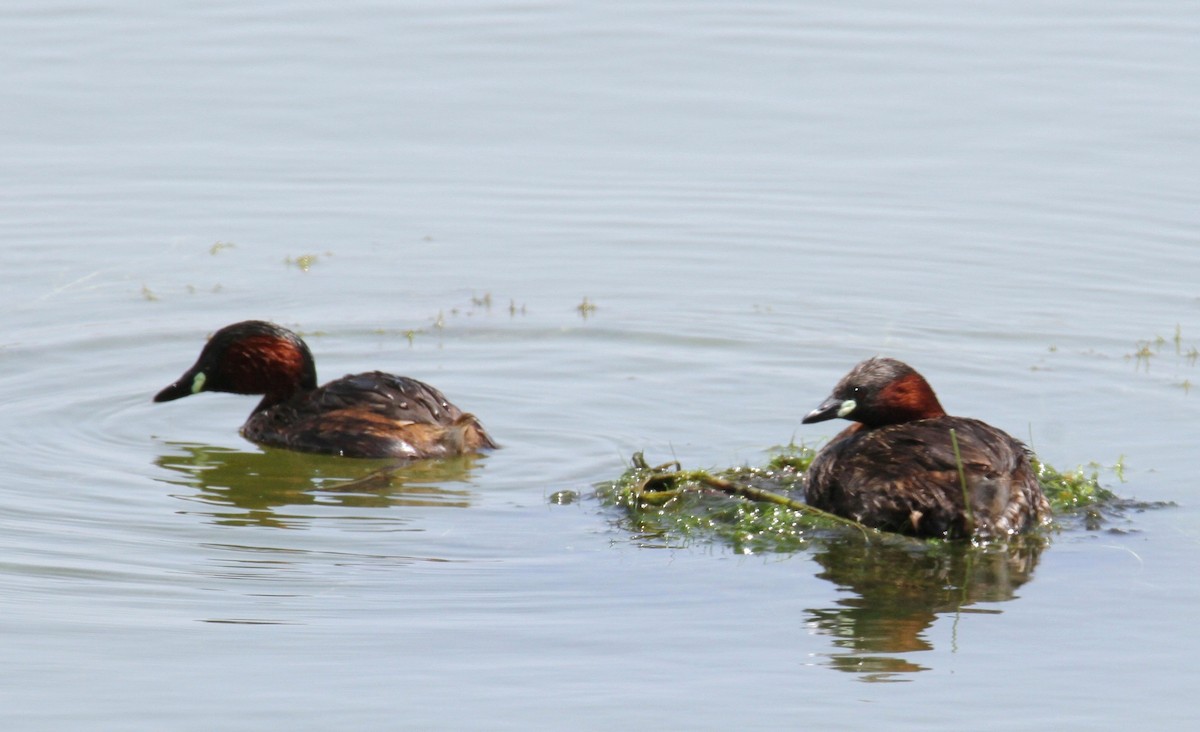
1173	366
1072	490
1141	357
758	509
1147	349
753	509
790	456
304	262
1078	500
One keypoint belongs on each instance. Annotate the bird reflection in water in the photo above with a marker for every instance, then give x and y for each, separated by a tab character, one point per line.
251	488
898	587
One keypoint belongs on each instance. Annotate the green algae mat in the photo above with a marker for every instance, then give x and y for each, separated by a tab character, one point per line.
761	509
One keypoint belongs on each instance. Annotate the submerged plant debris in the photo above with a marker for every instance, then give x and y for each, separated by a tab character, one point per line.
762	509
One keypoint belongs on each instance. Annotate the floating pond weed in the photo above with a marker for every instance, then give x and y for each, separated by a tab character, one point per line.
761	509
1185	356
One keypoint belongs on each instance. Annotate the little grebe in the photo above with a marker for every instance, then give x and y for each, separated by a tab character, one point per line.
896	468
371	415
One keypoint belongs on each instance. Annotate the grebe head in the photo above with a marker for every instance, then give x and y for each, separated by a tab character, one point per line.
251	357
877	392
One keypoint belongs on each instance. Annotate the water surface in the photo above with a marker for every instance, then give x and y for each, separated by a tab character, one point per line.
754	196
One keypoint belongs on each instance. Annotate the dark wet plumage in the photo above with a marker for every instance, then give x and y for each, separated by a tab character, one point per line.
371	415
895	468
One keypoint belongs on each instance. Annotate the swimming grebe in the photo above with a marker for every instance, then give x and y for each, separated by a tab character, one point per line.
896	469
369	415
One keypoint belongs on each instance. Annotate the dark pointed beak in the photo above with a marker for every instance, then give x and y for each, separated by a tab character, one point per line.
828	410
181	388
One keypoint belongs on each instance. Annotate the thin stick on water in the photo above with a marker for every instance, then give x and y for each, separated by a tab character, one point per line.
764	496
962	481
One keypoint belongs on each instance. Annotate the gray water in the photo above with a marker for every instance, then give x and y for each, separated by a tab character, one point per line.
753	195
